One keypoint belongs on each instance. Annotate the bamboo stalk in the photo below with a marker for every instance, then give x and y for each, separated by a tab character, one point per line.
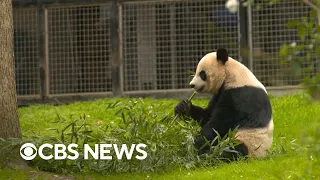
190	98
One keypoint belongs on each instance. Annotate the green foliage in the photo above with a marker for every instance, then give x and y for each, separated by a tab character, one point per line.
168	145
312	140
304	55
8	150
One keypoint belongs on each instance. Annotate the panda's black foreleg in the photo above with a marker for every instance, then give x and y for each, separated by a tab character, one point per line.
199	114
186	108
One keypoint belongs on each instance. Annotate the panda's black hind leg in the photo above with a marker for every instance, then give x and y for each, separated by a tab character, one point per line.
227	156
242	151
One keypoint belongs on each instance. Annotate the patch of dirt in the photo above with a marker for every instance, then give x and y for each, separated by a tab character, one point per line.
21	165
35	174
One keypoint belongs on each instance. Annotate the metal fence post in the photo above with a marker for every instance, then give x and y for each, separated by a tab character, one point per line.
250	59
173	46
115	50
43	51
244	47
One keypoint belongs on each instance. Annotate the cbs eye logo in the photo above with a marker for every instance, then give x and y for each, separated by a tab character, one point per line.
28	151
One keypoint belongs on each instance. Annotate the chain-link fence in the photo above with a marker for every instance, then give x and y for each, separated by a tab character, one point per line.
79	49
163	41
269	32
26	51
149	46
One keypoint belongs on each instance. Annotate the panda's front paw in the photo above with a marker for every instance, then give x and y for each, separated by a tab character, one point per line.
183	108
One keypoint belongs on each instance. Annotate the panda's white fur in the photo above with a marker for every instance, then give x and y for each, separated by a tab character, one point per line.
231	74
258	141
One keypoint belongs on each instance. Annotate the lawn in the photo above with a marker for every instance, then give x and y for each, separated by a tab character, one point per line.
296	121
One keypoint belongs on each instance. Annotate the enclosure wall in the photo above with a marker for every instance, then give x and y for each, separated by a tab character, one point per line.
143	48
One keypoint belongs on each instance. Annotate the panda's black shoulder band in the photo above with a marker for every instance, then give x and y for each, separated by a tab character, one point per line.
222	55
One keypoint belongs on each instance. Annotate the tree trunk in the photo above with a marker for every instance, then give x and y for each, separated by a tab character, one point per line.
9	122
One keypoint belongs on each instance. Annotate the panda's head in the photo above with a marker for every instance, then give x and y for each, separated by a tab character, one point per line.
210	73
216	69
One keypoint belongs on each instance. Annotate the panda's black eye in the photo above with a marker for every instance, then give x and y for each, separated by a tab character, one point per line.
203	75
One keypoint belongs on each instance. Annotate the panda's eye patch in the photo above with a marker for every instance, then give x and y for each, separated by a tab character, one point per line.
203	75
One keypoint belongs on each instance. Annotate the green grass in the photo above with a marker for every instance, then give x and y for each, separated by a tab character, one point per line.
293	116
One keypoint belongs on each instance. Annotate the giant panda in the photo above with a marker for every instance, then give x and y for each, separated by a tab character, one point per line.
239	100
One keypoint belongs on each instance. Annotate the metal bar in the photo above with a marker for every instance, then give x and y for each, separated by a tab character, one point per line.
42	51
158	91
80	94
65	5
284	87
250	60
115	50
243	34
173	46
153	1
46	52
180	93
25	3
239	35
28	97
120	33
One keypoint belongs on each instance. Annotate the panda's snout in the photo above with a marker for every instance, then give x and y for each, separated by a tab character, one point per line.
192	85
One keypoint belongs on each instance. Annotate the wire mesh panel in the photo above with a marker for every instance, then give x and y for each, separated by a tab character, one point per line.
26	51
164	41
269	32
79	49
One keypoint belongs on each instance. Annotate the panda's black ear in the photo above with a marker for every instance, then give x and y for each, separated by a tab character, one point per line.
222	55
